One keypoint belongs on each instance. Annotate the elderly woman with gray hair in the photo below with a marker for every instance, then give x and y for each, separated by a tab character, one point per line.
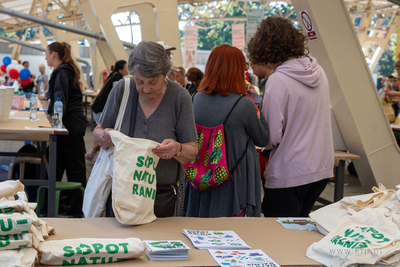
163	113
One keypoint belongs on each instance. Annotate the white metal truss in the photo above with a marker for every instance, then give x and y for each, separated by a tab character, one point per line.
67	11
375	20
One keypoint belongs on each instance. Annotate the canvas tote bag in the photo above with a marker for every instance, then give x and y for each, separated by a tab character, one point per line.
83	251
368	237
134	179
328	217
99	184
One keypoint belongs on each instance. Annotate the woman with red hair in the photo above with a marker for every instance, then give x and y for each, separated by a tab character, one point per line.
222	86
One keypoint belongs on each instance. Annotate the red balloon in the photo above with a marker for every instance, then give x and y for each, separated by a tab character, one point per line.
13	74
3	68
25	82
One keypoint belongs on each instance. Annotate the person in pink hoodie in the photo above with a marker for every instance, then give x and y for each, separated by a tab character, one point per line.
296	107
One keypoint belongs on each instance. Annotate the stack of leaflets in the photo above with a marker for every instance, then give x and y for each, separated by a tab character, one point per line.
298	223
159	250
215	239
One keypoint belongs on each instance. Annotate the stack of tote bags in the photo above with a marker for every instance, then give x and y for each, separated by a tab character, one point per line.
23	234
21	231
361	229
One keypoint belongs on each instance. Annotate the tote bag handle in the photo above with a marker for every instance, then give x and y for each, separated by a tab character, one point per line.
122	107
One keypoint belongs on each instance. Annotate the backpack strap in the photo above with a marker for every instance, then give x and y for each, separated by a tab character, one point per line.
232	109
247	143
193	96
240	159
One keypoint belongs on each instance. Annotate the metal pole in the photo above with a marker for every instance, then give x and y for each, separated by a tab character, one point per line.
88	69
44	50
50	23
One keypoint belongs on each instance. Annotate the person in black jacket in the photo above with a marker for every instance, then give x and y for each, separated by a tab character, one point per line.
120	69
64	84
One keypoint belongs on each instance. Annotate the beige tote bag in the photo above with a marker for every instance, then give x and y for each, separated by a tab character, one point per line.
134	179
90	250
389	111
328	217
24	257
368	237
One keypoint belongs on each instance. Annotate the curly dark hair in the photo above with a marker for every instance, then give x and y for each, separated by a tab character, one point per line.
276	40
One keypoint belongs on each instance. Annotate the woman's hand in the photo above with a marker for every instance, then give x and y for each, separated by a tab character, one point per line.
250	87
106	138
102	137
167	149
170	148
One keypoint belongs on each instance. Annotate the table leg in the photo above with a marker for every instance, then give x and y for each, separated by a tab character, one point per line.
339	181
92	122
52	177
43	160
85	104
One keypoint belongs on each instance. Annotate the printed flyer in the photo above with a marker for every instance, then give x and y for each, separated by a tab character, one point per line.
215	239
250	258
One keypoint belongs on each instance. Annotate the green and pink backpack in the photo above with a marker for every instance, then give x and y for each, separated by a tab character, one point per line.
210	167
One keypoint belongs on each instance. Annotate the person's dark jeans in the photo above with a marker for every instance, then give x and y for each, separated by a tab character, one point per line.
292	201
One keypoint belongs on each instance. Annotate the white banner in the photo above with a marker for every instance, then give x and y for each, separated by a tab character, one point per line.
189	59
238	36
254	18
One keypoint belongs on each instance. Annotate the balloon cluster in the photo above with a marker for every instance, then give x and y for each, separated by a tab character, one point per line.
16	70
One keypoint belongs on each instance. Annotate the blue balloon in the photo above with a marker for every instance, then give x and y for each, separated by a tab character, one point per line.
6	61
24	74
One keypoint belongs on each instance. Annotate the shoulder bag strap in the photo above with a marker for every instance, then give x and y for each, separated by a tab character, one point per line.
237	101
122	107
134	111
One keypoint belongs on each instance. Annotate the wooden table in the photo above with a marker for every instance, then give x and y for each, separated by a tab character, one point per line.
340	161
395	127
92	95
15	130
287	247
87	94
41	104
